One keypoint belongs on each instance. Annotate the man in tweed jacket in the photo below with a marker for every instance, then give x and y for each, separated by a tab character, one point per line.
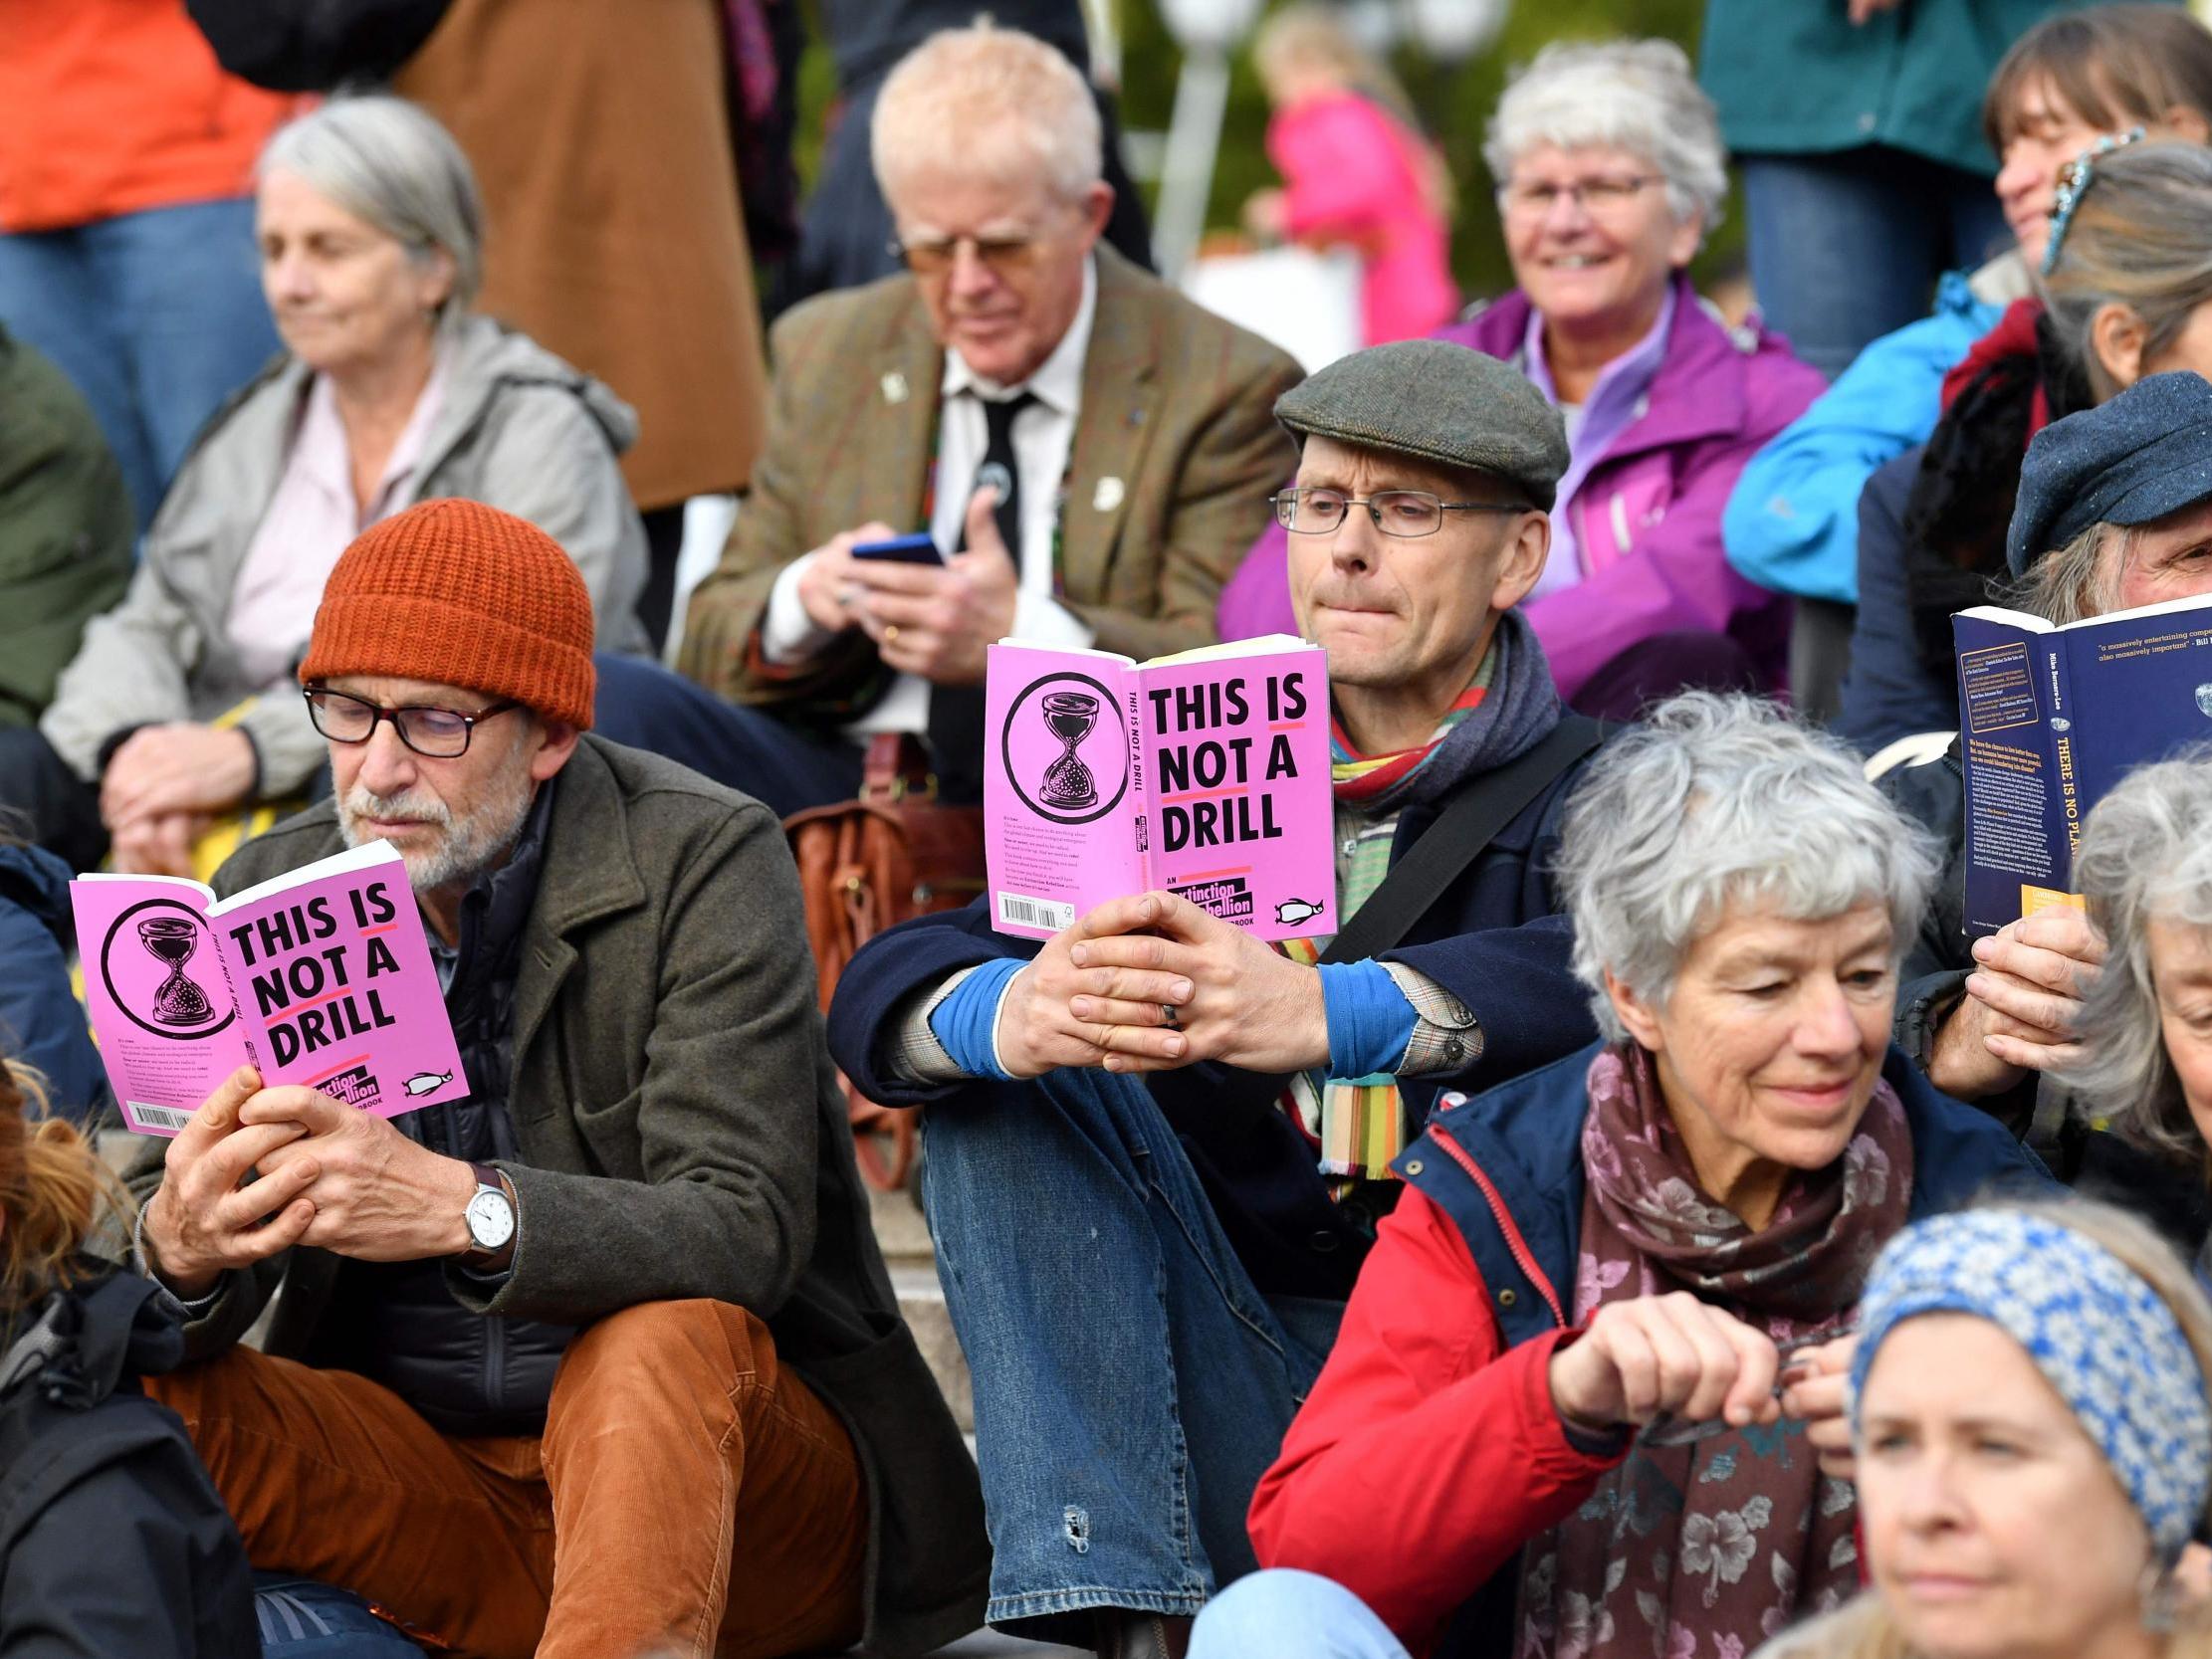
1088	449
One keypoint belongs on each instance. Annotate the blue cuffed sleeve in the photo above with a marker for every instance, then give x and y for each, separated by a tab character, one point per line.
964	1021
1370	1019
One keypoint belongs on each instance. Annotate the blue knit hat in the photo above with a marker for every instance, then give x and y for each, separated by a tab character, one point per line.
2143	455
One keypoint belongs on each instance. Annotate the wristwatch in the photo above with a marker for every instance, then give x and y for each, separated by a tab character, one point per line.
491	1222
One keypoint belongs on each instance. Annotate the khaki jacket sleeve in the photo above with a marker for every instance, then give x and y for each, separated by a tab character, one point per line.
769	534
1232	463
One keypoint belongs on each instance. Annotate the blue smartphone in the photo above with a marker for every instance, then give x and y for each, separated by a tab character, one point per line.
901	550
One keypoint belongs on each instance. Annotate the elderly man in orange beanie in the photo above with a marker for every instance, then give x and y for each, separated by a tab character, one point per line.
602	1359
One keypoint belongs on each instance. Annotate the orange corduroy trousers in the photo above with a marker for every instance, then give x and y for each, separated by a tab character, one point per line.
688	1495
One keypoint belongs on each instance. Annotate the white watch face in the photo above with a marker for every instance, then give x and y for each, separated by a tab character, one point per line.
491	1219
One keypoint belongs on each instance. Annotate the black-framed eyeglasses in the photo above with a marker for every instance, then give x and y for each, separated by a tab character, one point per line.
437	734
1314	510
1005	255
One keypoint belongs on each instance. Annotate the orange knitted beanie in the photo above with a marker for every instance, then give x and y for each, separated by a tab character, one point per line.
465	595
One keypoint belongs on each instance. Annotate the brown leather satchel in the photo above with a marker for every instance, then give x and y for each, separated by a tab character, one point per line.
863	865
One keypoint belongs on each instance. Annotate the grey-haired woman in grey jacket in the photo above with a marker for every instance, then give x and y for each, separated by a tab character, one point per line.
181	705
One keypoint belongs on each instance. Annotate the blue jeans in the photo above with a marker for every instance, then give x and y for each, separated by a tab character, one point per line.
648	706
1131	1385
156	317
1287	1615
1847	247
302	1619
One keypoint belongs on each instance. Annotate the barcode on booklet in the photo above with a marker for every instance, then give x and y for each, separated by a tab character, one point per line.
159	1116
1023	911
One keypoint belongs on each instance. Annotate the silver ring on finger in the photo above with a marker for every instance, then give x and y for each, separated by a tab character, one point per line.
1167	1013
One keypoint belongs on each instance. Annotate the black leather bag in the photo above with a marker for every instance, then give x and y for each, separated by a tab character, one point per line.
312	46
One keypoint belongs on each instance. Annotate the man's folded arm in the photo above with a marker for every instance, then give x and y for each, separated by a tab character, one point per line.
1519	985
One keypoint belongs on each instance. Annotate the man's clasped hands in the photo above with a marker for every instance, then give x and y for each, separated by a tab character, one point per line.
258	1170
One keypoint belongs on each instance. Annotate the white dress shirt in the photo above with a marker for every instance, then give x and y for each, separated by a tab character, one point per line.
1044	435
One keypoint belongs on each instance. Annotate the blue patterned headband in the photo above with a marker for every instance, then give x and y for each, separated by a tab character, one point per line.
2073	184
2103	1337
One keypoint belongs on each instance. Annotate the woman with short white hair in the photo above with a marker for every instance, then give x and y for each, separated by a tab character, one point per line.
179	709
1611	172
1568	1413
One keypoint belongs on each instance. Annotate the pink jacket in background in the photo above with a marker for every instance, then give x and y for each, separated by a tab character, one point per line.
1352	174
1647	518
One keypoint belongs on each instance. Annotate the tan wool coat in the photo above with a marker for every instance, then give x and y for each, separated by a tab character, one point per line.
1175	451
615	236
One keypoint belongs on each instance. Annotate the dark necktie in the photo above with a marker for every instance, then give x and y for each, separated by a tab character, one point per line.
956	723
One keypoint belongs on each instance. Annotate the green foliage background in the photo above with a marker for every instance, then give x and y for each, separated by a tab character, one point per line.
1454	102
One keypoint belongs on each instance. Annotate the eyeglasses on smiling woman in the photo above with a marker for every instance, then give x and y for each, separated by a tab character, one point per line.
1535	198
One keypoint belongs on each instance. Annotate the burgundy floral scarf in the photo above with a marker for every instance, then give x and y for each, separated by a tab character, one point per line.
1704	1551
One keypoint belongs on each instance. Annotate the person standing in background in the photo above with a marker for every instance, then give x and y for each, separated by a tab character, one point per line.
614	226
847	238
1356	171
126	219
1864	173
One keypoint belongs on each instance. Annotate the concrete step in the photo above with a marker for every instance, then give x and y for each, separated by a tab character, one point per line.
904	1238
901	1233
922	1301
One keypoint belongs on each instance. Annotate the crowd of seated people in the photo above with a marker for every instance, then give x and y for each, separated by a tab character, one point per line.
1701	1278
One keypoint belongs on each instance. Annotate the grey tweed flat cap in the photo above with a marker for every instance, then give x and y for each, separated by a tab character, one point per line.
2140	457
1439	402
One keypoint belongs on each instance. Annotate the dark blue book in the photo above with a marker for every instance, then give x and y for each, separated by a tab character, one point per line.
2051	719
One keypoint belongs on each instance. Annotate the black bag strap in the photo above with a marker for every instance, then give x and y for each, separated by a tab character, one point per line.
1458	838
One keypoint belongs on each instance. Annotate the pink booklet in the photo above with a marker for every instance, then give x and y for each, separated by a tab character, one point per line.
1206	774
320	977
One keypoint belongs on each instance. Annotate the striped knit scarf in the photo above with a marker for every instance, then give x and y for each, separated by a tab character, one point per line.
1358	1125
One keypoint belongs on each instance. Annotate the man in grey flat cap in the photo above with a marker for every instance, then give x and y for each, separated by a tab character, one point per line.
1144	1251
2115	512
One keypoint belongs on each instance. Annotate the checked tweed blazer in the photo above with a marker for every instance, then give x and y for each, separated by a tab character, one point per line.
1175	451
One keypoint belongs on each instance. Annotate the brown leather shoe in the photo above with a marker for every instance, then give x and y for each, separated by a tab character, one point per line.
1123	1634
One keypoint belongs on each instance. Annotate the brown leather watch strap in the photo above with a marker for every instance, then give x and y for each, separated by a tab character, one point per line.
499	1260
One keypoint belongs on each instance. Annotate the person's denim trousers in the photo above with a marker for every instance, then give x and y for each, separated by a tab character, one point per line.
156	317
1286	1614
1846	248
1131	1385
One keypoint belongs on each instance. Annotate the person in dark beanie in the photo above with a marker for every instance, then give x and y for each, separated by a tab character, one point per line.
604	1355
1147	1271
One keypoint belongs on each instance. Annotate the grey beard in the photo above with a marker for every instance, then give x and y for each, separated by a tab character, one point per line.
465	849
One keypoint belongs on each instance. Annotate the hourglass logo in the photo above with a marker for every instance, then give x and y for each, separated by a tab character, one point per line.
159	966
1065	748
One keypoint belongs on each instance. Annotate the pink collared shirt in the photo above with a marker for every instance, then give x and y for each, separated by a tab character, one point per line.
310	519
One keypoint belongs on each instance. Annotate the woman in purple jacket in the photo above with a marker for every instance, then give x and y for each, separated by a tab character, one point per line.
1611	169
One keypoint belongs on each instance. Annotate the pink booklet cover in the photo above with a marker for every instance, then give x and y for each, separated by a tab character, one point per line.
320	977
1206	774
